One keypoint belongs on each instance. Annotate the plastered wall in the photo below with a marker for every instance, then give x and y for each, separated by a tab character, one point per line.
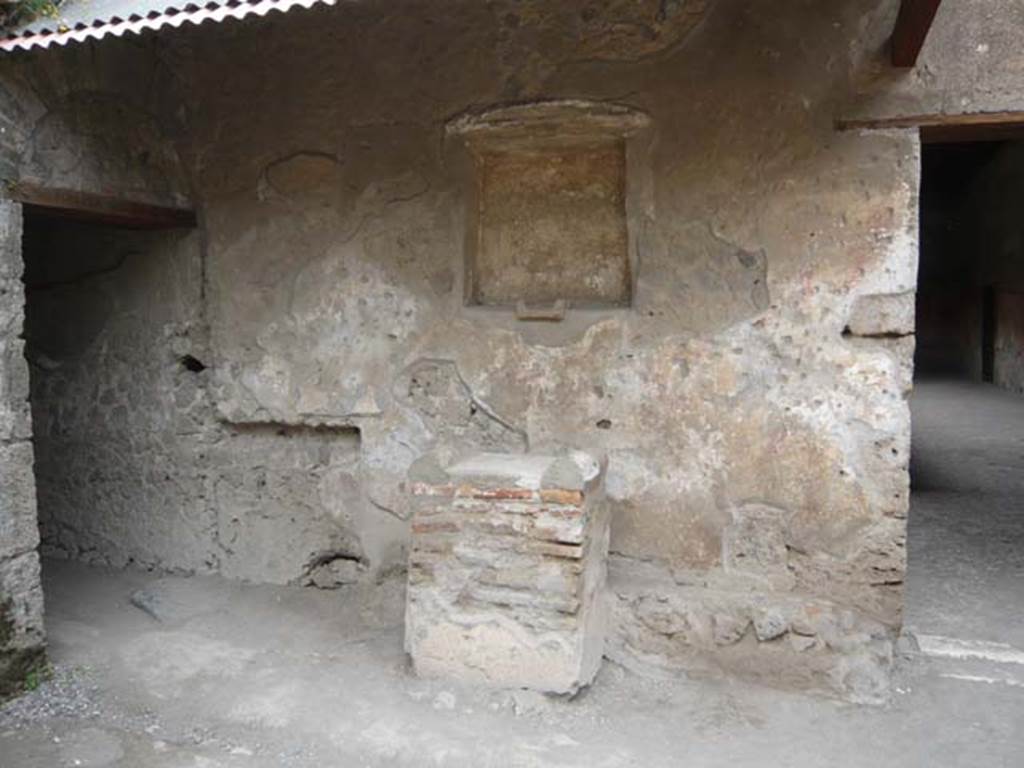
750	401
742	396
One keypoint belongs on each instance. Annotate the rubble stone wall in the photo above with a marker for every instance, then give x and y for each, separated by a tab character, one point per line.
22	639
131	464
119	420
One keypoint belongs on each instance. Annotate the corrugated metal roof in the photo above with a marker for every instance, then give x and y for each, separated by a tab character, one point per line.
81	20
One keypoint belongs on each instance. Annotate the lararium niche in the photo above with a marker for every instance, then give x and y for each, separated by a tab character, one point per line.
549	201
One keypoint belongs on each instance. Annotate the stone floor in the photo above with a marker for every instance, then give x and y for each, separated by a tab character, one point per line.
205	673
966	537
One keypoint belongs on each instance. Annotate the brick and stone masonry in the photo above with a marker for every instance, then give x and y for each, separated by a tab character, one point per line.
507	569
21	596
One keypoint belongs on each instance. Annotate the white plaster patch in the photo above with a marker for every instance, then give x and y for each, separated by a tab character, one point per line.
955	648
1010	681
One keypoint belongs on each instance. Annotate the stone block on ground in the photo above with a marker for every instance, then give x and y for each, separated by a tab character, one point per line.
506	572
789	639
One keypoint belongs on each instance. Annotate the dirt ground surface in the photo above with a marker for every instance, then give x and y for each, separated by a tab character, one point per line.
174	672
966	531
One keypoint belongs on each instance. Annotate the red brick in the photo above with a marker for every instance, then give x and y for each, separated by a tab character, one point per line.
558	496
435	526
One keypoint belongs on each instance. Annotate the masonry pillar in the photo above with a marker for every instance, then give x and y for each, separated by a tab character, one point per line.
21	597
507	572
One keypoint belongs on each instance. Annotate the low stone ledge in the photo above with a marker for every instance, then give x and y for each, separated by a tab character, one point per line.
775	638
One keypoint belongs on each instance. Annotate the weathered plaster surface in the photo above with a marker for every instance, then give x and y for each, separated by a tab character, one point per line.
552	200
970	63
750	401
728	385
134	465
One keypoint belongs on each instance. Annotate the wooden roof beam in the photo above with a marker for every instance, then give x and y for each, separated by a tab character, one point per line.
86	206
940	128
912	27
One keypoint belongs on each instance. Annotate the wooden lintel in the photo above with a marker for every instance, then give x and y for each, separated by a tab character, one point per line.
977	126
86	206
912	27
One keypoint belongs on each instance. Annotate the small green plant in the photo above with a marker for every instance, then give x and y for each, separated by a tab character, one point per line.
24	11
32	681
35	8
37	676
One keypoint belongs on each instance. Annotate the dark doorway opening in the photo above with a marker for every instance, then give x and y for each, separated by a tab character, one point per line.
109	298
966	528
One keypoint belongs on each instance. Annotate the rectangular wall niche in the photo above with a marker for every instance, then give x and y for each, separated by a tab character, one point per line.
548	209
